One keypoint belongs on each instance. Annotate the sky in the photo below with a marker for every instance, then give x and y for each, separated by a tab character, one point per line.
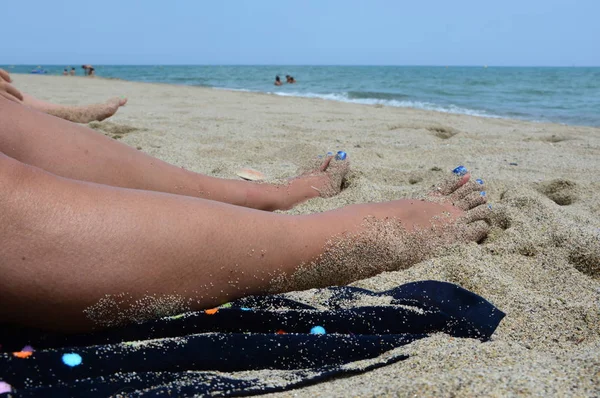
304	32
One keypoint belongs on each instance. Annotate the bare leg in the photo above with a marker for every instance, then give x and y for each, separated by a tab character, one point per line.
76	114
68	244
74	151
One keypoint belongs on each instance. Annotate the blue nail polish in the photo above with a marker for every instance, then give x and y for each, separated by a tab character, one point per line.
320	156
479	181
460	171
341	155
329	153
482	193
490	207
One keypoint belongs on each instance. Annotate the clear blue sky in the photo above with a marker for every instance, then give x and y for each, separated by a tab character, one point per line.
331	32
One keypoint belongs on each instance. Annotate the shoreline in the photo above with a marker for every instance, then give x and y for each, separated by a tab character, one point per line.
338	97
539	265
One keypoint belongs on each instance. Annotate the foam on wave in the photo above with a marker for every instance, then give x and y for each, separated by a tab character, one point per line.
393	102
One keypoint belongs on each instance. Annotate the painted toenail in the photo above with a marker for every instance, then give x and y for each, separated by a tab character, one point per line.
490	207
341	155
479	181
329	153
482	193
460	170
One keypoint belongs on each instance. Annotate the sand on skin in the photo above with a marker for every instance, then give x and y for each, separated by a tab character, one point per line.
540	265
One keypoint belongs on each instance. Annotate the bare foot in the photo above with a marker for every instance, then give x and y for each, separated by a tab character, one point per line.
459	191
81	114
329	174
109	108
323	181
372	238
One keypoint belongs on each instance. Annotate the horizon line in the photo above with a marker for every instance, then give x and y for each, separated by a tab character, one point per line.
354	65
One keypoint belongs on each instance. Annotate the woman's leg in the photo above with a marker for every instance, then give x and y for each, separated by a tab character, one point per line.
77	255
73	151
77	114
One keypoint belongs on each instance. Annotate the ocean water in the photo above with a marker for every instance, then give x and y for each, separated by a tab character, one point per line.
545	94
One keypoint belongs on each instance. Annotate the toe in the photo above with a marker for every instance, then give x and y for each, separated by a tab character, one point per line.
339	164
481	212
472	200
317	164
337	170
341	155
325	163
466	189
476	231
331	162
450	185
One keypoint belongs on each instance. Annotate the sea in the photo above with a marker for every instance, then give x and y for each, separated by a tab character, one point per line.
567	95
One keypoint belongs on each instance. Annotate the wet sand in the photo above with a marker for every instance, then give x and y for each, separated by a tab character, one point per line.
540	264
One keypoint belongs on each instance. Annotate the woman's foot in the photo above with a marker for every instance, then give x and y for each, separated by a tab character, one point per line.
325	180
377	237
87	113
328	175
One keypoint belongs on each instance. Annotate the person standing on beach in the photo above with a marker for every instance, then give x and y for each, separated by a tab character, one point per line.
65	72
278	81
72	72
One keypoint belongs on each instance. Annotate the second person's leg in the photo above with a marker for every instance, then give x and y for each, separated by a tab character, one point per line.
73	151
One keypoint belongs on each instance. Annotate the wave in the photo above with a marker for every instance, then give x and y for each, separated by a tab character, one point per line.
375	95
344	97
536	91
483	83
245	90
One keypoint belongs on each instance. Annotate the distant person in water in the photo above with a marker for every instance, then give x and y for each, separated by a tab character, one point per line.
290	79
65	72
72	72
278	81
87	69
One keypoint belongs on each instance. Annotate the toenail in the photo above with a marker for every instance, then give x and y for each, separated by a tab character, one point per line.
341	155
479	181
460	170
329	153
482	193
490	207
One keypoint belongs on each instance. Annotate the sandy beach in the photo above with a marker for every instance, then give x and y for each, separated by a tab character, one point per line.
540	263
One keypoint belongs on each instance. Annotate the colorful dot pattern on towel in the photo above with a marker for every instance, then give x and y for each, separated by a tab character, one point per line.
72	359
201	353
